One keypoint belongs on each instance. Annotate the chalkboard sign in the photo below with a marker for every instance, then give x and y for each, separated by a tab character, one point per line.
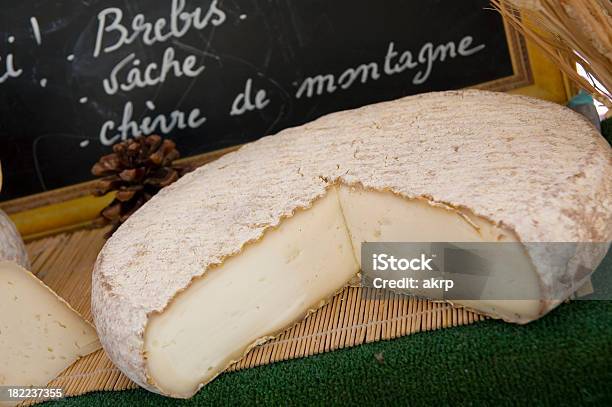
75	77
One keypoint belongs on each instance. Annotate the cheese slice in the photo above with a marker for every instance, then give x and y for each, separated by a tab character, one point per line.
243	247
40	334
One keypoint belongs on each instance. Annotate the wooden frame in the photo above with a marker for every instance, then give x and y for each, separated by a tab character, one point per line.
520	64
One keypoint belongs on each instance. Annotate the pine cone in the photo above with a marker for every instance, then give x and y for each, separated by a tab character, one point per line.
137	169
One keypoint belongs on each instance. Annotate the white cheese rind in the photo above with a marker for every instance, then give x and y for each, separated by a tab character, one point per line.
530	167
40	334
11	244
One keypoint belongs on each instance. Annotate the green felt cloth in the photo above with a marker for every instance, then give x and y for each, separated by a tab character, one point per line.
563	359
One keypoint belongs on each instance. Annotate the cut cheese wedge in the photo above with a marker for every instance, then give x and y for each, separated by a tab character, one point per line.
293	270
40	334
244	247
374	216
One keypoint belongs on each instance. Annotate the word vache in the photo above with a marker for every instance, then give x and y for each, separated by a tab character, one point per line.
129	74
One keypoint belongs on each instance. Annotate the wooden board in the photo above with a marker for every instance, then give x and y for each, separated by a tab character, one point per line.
64	262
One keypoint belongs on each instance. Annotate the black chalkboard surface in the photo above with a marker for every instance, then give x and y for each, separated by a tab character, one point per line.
77	76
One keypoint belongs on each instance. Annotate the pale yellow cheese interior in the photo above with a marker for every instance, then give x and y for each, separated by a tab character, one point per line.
40	335
296	267
373	216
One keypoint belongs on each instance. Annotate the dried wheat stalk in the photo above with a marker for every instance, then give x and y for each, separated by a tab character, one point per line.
570	32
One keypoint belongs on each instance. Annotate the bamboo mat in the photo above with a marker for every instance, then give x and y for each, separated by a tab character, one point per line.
64	262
